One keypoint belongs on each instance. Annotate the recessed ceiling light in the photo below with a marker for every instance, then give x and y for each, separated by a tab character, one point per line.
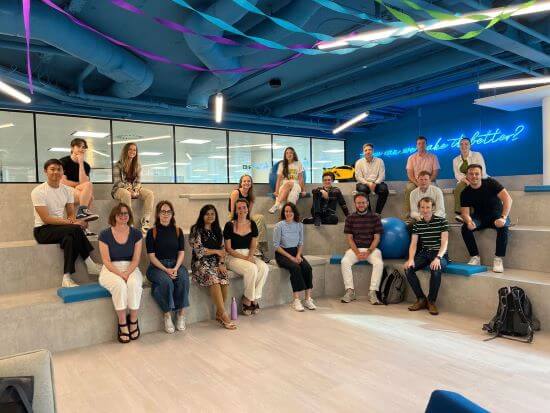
195	141
7	125
217	157
89	134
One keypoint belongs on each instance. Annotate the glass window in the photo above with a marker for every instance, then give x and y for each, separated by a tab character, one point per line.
300	145
155	148
54	135
249	153
201	155
326	153
17	147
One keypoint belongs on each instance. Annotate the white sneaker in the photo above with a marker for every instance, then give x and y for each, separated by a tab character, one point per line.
497	265
180	323
169	324
145	226
94	269
297	305
475	260
68	283
309	304
273	209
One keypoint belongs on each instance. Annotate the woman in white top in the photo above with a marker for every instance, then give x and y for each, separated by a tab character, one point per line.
290	180
460	166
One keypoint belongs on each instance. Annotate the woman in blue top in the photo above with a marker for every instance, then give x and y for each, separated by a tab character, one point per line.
120	248
288	242
169	278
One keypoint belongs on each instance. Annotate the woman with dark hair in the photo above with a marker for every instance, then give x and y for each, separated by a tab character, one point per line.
127	183
241	235
246	191
208	261
169	278
290	180
288	241
120	248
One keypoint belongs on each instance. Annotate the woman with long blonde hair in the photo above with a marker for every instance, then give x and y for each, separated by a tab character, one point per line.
127	183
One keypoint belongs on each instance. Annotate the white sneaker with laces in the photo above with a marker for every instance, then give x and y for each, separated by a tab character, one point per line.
273	209
309	304
145	226
68	282
475	260
169	324
297	305
497	265
180	323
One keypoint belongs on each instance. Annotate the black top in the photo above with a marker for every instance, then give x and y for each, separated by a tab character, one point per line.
335	198
167	244
120	252
241	196
239	242
484	200
70	168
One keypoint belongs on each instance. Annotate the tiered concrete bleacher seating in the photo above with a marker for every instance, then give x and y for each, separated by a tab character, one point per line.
33	316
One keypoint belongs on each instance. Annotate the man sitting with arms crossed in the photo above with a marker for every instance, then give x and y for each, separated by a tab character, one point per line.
50	199
325	199
433	233
77	175
491	205
426	189
363	230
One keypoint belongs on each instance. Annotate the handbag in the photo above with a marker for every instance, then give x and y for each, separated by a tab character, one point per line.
16	394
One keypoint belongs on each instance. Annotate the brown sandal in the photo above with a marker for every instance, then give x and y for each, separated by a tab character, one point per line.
228	325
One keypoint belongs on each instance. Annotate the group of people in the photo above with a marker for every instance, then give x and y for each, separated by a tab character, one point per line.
241	246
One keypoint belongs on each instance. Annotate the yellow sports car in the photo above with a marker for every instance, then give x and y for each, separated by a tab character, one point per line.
342	173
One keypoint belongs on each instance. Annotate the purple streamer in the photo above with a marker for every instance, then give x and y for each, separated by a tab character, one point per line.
162	59
127	6
27	23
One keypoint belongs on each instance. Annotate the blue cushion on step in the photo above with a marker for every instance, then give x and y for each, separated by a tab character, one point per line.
82	293
337	259
536	188
451	402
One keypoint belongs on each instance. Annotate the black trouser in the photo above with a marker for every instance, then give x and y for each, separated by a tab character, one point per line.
328	216
301	275
72	240
422	259
482	223
381	190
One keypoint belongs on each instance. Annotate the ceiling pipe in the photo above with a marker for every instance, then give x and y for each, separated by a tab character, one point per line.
85	73
131	76
12	45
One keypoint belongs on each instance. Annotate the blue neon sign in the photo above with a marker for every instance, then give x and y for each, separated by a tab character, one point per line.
490	137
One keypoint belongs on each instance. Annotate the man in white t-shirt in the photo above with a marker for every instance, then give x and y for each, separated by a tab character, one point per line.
51	200
426	189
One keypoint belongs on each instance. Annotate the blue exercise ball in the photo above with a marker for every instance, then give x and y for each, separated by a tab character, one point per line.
395	240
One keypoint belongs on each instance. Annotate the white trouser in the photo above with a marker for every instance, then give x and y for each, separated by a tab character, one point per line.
294	193
374	258
254	274
125	294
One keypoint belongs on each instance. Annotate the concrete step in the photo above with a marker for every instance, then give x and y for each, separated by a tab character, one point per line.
39	319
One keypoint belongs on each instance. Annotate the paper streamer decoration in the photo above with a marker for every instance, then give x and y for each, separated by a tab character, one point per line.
27	24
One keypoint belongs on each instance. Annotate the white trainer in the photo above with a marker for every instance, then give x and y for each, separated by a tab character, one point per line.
309	304
68	282
497	265
297	305
169	324
475	260
180	323
273	209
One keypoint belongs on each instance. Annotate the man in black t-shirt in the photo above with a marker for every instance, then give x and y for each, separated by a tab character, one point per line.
76	174
491	204
325	200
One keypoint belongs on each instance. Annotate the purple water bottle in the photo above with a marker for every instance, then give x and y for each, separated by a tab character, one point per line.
233	309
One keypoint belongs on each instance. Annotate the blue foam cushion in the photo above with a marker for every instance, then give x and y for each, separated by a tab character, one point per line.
537	188
443	401
82	293
457	268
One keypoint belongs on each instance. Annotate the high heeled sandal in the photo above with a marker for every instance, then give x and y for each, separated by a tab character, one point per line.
135	331
122	334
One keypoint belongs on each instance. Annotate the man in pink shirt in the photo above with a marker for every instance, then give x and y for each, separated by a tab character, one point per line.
419	161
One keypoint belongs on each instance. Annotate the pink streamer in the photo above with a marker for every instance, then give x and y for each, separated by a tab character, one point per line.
27	23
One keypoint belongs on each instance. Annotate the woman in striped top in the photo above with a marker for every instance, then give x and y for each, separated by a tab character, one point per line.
433	233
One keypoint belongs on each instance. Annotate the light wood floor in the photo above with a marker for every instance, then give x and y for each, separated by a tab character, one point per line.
342	357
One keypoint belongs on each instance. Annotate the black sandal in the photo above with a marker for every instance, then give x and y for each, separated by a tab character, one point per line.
132	332
121	334
256	309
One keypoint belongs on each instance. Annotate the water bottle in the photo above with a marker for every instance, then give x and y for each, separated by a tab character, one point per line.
234	309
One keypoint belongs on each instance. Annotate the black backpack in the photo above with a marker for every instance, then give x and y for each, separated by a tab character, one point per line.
392	287
514	316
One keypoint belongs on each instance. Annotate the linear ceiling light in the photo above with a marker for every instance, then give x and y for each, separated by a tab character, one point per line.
87	134
526	81
195	141
101	153
430	25
153	138
218	107
14	93
59	149
350	122
150	153
154	164
7	125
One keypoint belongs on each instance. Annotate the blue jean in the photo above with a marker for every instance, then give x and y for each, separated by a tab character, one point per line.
168	293
422	259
